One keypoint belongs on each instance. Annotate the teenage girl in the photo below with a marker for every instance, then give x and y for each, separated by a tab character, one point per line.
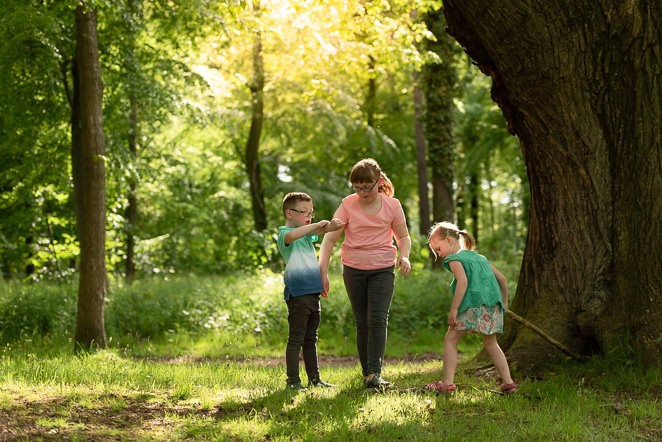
480	298
371	217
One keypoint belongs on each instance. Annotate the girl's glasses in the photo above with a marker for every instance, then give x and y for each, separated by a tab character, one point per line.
304	213
365	189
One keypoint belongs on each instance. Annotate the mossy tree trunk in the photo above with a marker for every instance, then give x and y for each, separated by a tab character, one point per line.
88	170
579	83
252	157
440	81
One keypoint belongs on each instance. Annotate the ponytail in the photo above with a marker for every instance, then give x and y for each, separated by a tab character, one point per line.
469	240
387	186
445	229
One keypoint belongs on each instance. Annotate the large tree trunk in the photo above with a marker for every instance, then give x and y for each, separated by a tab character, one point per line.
253	143
88	172
579	83
440	80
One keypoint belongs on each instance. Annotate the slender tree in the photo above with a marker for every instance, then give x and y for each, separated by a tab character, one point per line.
440	81
421	156
578	83
88	170
252	158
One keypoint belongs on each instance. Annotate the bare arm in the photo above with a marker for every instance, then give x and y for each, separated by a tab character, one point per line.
460	290
404	248
503	286
326	249
300	232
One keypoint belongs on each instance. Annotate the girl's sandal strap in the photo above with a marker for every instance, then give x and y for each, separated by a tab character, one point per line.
440	387
509	388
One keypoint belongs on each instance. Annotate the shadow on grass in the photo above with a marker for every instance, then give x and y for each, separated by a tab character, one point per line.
60	418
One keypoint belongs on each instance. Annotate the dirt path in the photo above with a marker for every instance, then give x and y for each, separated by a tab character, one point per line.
329	360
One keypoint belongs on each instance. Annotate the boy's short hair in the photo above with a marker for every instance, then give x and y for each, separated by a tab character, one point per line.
290	200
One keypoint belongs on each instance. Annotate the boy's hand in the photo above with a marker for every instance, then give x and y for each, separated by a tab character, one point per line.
323	226
334	224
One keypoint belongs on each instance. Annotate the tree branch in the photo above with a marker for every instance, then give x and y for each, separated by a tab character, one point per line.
544	335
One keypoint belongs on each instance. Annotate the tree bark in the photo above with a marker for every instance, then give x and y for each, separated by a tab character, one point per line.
579	84
253	142
474	203
421	158
371	94
132	206
88	172
440	80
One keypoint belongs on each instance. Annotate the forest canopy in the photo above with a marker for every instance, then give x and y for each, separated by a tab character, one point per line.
337	80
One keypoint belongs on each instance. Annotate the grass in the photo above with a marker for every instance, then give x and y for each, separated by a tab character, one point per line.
123	394
202	358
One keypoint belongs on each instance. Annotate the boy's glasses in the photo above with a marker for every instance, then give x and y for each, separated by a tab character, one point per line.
365	189
304	213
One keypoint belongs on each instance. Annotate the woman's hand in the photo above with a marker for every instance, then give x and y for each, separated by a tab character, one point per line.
325	284
404	265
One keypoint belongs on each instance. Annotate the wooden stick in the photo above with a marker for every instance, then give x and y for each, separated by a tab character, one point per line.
544	335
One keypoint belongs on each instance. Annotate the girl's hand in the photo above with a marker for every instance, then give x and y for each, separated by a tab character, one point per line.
452	318
404	265
325	285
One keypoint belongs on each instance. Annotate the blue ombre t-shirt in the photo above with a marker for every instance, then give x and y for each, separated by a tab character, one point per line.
302	272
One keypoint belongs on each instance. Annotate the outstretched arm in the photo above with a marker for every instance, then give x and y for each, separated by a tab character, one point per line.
300	232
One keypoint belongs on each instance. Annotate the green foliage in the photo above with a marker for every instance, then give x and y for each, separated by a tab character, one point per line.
29	311
183	67
241	305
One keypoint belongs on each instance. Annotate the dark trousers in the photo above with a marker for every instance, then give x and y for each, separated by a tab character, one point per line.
370	293
304	320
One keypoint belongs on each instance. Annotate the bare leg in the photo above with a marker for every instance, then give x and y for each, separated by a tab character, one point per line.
498	358
450	354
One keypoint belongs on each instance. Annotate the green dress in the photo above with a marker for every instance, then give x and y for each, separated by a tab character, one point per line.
481	309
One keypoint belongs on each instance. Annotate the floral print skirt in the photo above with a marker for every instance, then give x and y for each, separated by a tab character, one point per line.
484	319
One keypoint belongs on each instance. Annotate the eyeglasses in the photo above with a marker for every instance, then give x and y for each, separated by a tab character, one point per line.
304	213
365	189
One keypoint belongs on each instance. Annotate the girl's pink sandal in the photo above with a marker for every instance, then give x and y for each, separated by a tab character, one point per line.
509	388
440	387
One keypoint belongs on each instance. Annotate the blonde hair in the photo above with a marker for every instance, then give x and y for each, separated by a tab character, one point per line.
368	171
445	229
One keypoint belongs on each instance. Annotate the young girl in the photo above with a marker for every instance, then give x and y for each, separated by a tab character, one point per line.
480	298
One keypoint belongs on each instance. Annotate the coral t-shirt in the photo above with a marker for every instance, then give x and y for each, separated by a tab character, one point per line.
368	243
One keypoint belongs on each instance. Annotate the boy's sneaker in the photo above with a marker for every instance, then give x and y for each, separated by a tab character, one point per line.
296	386
377	382
320	383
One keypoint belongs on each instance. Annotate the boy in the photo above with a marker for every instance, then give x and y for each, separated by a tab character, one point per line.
303	285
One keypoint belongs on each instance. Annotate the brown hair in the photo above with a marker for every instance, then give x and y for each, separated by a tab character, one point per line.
445	229
290	200
368	171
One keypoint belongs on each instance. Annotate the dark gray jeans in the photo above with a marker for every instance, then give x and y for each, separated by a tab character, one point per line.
370	293
304	320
